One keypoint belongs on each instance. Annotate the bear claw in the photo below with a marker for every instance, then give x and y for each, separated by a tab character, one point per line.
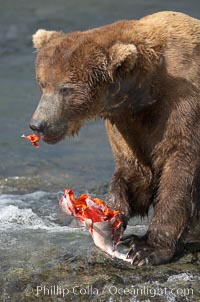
142	254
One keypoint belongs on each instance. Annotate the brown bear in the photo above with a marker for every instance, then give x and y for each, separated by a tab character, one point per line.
143	78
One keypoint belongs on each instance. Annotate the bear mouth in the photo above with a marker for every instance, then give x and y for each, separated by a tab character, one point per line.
52	139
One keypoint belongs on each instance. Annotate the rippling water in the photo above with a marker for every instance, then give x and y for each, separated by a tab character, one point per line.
31	228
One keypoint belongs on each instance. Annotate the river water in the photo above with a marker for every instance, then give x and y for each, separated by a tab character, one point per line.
37	245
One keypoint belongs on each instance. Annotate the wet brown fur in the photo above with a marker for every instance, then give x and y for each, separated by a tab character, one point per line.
150	100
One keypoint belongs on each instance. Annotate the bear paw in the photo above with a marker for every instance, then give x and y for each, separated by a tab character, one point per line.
142	253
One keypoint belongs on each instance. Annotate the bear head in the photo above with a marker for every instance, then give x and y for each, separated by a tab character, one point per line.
80	76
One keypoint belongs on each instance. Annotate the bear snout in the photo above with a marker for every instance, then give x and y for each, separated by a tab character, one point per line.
46	131
37	125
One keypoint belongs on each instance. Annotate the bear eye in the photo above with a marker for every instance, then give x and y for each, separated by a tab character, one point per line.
65	90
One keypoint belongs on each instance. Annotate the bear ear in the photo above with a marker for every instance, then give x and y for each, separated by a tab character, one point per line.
42	37
122	55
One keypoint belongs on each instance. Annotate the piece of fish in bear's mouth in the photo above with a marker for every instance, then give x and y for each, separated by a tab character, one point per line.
103	223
